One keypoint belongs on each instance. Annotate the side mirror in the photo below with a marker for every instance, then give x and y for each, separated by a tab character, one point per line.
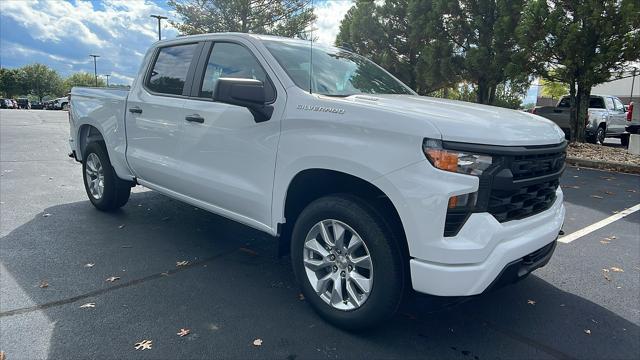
248	93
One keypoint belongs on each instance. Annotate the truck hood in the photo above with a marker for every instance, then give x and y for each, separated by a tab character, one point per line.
471	123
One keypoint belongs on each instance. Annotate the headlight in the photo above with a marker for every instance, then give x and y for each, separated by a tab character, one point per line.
455	161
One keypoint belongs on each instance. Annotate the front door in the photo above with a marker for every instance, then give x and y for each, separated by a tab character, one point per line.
228	158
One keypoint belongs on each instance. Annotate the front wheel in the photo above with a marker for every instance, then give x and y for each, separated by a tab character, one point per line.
347	262
105	189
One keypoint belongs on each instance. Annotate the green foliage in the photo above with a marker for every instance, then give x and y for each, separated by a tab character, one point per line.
581	43
553	89
40	80
277	17
11	83
434	45
81	79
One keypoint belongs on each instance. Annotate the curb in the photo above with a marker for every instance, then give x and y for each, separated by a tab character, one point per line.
604	165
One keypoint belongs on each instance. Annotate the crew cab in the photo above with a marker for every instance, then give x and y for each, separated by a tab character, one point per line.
373	188
606	118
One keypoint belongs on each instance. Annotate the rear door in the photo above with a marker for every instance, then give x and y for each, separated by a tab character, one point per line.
619	115
155	114
227	157
613	123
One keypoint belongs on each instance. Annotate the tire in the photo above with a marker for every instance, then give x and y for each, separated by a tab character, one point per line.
357	218
601	134
114	192
624	140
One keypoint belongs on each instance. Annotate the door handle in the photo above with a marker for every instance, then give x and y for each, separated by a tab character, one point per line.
195	118
135	110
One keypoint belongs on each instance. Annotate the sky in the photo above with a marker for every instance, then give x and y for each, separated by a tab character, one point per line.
62	33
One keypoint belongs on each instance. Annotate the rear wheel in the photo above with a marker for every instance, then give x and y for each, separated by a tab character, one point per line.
347	262
105	189
600	135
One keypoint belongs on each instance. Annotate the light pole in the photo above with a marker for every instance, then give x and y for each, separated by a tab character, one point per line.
107	76
95	67
159	17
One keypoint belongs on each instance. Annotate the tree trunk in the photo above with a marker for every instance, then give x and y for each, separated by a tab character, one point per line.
584	93
573	110
482	95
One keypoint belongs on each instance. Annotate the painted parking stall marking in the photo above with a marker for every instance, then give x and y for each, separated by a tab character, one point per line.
600	224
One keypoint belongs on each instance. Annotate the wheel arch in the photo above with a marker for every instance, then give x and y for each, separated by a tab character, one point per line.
312	183
86	134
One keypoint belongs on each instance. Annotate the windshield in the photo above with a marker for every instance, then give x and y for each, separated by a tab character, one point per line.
336	72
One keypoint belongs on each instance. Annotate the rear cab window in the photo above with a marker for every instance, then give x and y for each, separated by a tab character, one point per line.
170	69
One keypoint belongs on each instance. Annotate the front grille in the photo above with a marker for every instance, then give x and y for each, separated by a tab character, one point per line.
529	166
521	182
506	205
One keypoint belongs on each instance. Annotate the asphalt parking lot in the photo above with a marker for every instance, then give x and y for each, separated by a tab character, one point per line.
235	290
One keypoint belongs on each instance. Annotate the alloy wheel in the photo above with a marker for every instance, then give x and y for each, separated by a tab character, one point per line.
338	264
94	173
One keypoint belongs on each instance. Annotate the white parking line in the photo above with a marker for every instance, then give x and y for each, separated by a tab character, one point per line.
600	224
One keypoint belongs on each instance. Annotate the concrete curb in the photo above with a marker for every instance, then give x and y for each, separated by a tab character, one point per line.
604	165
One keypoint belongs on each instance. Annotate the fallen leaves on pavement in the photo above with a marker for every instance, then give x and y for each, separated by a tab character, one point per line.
597	196
88	305
182	263
587	331
46	215
616	269
531	302
89	265
604	273
183	332
112	279
43	284
121	226
257	342
144	345
301	297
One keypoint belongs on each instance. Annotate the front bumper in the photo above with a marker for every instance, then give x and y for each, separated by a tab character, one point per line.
508	243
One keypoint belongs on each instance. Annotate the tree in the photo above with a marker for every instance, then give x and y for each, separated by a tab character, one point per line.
553	89
40	80
581	43
80	79
383	34
276	17
11	83
435	45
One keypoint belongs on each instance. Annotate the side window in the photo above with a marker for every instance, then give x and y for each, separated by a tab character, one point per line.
233	61
565	102
609	102
170	70
596	103
618	104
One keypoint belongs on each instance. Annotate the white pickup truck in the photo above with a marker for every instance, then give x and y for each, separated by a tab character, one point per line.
375	187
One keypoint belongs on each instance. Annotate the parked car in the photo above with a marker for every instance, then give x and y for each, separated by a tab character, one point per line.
5	103
23	103
14	104
37	106
606	118
372	187
61	103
